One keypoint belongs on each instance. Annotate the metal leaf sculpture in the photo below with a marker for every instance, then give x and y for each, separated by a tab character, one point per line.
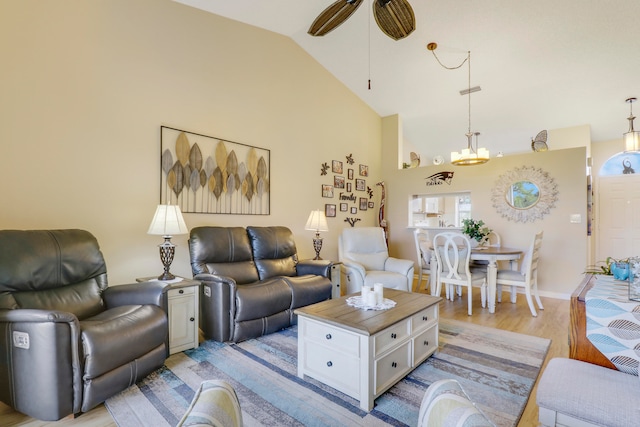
219	182
231	185
209	166
242	173
167	163
232	171
203	183
195	157
182	148
195	184
221	161
178	173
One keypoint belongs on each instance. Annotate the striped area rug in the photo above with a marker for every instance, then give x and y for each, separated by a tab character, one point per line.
497	368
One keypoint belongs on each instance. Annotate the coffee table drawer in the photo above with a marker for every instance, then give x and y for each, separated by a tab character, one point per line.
335	369
335	338
392	367
391	336
425	344
425	318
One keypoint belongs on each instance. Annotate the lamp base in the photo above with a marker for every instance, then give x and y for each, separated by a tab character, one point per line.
167	251
317	245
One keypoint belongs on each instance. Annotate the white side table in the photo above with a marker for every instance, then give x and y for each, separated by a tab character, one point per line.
183	312
336	279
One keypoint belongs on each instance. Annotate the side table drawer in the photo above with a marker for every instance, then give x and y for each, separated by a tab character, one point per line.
332	368
333	338
391	336
173	293
425	318
425	344
392	367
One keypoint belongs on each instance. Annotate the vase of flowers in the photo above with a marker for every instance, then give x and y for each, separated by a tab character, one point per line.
476	230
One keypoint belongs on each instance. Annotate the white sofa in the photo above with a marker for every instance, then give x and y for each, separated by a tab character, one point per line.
573	393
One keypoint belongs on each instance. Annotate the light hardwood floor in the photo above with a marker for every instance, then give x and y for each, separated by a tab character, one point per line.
552	323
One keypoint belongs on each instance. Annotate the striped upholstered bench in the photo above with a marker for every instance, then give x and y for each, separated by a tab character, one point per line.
214	404
445	403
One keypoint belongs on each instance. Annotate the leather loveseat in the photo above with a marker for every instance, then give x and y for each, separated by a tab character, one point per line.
67	340
252	280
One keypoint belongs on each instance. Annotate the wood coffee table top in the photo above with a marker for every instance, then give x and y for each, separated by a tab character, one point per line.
368	322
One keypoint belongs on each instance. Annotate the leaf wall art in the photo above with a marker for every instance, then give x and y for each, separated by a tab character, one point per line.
205	174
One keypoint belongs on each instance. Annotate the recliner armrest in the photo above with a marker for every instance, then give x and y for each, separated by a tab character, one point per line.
143	293
397	265
318	267
31	381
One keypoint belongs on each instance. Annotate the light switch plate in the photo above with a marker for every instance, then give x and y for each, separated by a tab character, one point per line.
575	219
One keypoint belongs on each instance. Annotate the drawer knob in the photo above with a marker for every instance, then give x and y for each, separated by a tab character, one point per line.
329	364
393	336
425	318
192	319
328	336
181	291
394	364
426	342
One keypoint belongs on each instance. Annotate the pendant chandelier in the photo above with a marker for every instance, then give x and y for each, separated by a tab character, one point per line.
472	155
632	137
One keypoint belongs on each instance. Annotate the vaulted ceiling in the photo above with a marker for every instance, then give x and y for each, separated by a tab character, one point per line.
546	64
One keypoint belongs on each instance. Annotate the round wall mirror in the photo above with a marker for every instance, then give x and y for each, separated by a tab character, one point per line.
522	194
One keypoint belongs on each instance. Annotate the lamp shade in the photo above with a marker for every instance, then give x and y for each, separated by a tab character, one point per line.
317	221
168	221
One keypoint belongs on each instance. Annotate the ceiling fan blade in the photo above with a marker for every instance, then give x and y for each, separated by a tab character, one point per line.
333	16
394	17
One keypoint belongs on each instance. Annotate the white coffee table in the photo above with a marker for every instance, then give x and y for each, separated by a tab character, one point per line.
362	353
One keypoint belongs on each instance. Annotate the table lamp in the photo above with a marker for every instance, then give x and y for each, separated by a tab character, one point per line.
167	222
317	222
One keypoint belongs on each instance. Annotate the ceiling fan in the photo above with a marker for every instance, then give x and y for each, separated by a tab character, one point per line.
394	17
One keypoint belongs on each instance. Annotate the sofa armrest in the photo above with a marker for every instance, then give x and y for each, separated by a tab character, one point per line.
317	267
402	266
144	293
218	306
31	380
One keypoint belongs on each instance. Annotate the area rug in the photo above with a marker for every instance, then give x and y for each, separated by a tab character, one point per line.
497	368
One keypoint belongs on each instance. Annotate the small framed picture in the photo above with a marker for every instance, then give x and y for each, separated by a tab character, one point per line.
329	210
349	190
360	184
327	191
363	203
354	210
338	181
336	166
370	205
364	170
349	173
344	207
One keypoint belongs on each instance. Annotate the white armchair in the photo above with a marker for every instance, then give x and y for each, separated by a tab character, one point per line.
366	261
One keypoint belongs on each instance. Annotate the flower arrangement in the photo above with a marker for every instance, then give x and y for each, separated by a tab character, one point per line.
476	230
605	267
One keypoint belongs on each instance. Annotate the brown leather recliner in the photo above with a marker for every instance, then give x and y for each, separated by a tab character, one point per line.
67	341
252	280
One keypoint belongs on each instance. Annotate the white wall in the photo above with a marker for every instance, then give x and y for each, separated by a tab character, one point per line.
564	249
86	86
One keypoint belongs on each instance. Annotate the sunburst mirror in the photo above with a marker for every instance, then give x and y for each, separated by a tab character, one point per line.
524	194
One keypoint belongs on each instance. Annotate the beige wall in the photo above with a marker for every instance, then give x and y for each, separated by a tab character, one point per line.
564	248
86	86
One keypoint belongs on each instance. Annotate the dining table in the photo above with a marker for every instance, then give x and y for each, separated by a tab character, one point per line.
492	254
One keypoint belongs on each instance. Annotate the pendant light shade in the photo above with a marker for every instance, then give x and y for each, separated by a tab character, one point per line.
632	137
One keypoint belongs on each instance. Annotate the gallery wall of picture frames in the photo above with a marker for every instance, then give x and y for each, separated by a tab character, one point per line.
346	190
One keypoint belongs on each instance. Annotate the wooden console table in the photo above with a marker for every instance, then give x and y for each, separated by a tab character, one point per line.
580	347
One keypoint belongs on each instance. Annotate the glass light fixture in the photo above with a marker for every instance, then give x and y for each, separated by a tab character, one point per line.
317	222
632	137
167	222
472	155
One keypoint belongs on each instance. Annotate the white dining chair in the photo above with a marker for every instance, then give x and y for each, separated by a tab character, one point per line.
423	254
453	251
526	278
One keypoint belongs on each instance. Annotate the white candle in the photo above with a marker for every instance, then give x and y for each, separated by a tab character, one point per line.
371	299
378	291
